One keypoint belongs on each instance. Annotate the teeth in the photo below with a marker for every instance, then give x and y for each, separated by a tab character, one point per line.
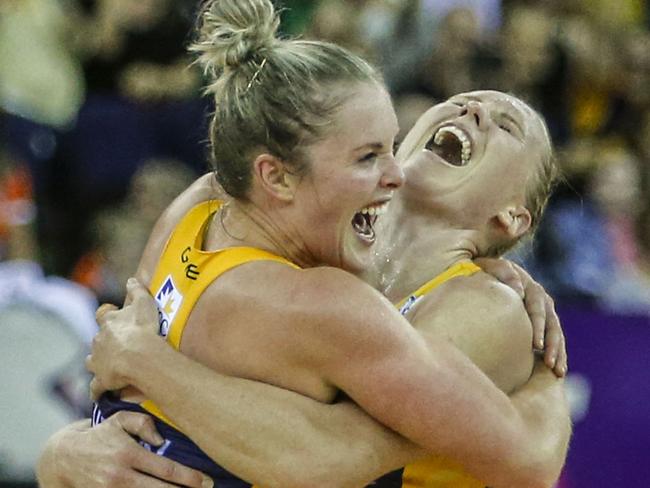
466	152
375	209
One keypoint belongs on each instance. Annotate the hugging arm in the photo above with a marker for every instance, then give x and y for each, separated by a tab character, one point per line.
503	434
81	456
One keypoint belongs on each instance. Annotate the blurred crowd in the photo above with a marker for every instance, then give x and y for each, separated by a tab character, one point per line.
102	123
585	65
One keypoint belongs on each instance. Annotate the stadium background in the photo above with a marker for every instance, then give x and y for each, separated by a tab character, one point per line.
102	123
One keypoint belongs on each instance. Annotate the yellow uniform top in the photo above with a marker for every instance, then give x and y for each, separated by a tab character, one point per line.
436	472
185	270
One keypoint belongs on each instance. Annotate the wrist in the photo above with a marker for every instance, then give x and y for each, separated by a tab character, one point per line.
52	469
143	360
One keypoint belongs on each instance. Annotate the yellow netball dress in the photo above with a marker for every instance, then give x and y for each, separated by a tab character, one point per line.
183	273
434	472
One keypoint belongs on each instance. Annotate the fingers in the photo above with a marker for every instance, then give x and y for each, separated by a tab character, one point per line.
97	389
143	427
504	271
168	470
120	477
562	364
140	425
555	355
535	303
103	312
135	291
89	363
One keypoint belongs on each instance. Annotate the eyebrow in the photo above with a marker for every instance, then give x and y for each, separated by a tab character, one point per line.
370	145
375	145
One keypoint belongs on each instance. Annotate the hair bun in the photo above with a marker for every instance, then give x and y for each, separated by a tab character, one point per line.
232	31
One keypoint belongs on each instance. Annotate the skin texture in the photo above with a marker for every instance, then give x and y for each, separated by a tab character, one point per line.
347	349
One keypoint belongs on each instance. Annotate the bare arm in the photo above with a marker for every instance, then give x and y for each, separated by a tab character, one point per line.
79	456
500	426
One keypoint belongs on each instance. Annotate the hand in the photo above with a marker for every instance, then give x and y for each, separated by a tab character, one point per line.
123	334
107	456
547	332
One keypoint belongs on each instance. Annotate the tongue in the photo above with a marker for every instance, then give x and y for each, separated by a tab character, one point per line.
449	149
361	224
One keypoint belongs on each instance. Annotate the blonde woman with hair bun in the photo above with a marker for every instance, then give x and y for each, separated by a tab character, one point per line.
259	285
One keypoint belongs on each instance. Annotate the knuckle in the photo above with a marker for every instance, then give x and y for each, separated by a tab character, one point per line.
169	471
114	476
536	287
124	455
121	416
141	423
148	424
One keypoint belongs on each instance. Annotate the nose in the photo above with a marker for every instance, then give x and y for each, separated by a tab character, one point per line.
475	111
393	175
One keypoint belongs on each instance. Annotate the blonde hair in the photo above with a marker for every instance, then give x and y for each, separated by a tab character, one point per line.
270	94
538	191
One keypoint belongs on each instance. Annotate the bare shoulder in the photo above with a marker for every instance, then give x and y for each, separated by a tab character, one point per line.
293	328
204	188
486	320
325	311
309	296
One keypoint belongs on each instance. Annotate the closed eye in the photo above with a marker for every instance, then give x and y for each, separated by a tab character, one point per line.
506	128
369	157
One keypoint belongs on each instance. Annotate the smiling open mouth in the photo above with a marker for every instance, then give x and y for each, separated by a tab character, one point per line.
451	144
365	219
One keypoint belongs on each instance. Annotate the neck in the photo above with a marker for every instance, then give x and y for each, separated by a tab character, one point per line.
417	246
246	224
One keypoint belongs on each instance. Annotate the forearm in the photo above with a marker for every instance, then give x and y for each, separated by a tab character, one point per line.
267	435
461	416
51	469
543	403
540	415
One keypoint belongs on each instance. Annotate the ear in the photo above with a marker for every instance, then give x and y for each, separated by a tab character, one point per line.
514	221
274	178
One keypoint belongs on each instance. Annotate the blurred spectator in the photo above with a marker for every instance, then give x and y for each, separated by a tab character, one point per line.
535	66
40	78
297	16
17	212
137	48
142	102
409	108
487	12
400	36
616	188
337	21
451	67
587	247
120	234
47	324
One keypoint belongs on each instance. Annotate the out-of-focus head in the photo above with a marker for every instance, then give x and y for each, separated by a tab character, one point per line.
303	126
527	47
481	160
155	185
616	182
636	67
